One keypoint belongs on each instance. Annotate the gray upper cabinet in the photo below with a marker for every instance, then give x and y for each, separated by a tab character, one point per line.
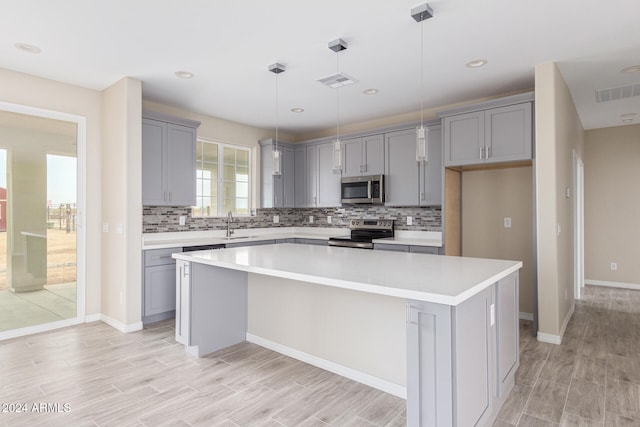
321	182
278	191
300	178
168	161
364	156
408	182
494	135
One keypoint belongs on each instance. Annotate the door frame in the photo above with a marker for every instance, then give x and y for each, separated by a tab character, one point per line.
81	140
578	225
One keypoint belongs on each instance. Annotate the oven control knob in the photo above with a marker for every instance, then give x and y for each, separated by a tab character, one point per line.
353	222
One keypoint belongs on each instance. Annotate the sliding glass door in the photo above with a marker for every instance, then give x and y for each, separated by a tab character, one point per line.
38	221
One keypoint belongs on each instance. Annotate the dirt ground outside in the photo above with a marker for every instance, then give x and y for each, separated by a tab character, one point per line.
61	257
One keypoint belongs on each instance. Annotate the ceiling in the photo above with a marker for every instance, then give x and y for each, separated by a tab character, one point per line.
228	46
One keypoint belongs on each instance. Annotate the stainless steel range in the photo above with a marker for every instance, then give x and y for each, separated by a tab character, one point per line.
363	231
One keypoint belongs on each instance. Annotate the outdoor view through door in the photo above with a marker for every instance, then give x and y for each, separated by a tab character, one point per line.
38	164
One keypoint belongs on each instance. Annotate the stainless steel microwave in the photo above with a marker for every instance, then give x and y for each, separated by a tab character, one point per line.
362	189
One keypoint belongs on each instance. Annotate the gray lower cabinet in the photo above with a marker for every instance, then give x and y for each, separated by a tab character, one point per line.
253	243
432	250
210	314
158	291
168	161
477	341
494	135
408	182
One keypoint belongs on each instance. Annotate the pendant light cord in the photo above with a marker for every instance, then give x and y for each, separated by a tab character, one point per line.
277	111
422	74
338	99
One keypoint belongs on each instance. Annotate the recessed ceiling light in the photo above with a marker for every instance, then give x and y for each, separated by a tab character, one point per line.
371	91
26	47
297	110
627	121
628	115
477	63
184	74
632	69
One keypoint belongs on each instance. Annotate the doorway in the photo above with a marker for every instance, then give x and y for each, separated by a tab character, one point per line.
41	206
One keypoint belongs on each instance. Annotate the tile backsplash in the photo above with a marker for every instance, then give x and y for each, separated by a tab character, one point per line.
159	219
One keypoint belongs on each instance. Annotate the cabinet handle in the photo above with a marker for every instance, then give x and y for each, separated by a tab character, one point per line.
368	189
488	150
481	152
169	195
422	196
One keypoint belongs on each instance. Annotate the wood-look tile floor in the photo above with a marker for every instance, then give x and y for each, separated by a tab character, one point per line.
592	378
146	379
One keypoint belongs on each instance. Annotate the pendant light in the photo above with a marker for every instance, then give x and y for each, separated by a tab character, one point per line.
337	46
420	14
276	69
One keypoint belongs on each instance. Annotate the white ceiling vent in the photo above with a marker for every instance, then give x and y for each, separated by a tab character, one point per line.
615	93
337	80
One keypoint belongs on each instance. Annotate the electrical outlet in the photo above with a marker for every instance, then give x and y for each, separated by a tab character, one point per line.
119	228
559	229
409	220
310	219
182	220
329	219
507	222
614	266
105	227
276	219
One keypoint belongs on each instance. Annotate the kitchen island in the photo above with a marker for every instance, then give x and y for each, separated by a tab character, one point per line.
442	331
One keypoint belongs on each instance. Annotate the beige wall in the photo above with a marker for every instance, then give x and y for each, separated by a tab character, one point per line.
558	133
24	89
225	131
489	196
612	204
121	201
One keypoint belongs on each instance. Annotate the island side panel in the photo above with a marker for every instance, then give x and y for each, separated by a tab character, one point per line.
218	312
361	331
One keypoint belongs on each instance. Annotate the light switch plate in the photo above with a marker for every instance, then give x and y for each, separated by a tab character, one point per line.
105	227
409	220
310	219
507	222
182	220
329	219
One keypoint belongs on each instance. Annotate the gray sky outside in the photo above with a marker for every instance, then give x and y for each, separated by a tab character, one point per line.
61	177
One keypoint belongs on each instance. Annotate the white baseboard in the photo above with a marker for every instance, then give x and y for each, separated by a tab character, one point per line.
122	327
549	338
526	316
36	329
622	285
557	339
361	377
92	318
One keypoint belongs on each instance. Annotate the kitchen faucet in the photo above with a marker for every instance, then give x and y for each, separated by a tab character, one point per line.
229	221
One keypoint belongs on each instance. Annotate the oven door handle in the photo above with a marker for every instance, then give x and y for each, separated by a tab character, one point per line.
368	189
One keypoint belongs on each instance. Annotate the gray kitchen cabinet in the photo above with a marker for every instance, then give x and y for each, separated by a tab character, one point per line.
322	182
158	290
301	199
500	134
363	156
431	250
477	340
390	247
408	182
278	191
210	315
168	161
252	243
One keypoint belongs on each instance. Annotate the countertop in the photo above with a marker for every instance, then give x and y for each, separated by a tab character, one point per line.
432	278
215	237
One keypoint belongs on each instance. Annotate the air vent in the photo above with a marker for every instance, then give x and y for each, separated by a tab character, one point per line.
337	80
615	93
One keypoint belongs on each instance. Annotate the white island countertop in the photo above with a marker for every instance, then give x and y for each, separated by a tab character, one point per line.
431	278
